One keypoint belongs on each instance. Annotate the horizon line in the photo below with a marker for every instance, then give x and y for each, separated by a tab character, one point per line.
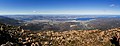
53	14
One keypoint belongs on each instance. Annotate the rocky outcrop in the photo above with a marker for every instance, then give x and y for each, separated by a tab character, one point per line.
15	36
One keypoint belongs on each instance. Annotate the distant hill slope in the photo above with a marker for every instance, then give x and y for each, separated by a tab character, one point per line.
10	21
105	23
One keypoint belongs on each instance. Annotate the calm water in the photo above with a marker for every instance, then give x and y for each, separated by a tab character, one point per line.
84	19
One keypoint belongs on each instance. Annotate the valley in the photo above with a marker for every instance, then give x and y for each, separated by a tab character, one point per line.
64	22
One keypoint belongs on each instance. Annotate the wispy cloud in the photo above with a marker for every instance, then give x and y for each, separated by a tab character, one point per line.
112	5
34	11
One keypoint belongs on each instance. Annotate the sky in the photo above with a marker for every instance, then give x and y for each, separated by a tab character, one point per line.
85	7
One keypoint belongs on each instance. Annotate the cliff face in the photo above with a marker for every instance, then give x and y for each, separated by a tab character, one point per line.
15	36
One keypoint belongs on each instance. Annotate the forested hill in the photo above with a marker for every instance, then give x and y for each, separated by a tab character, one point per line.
9	21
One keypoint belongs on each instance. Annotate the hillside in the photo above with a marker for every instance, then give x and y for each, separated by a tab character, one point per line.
9	21
105	23
15	36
